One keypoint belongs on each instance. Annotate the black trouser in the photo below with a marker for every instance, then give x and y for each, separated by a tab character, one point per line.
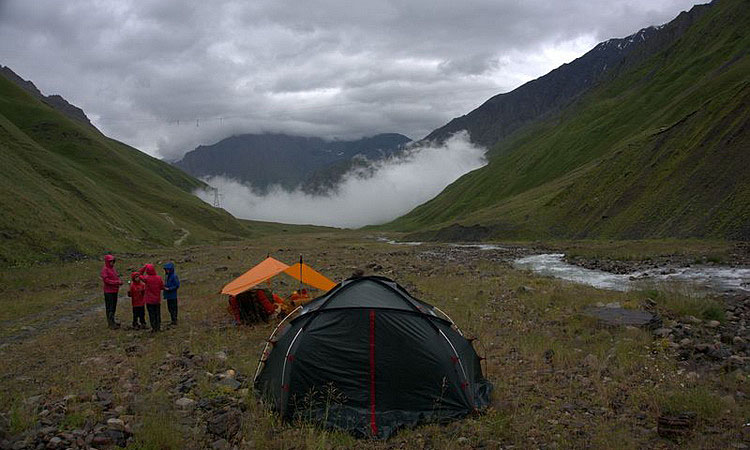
139	315
154	316
172	307
110	306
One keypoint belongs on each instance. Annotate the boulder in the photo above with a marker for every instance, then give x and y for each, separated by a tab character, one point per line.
225	424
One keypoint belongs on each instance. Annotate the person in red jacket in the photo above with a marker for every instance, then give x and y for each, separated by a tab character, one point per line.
152	295
111	285
136	293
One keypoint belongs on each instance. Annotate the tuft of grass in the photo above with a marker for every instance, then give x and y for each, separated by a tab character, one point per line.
698	399
159	429
20	418
686	303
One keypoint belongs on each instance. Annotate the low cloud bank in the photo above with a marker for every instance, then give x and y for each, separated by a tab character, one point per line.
388	190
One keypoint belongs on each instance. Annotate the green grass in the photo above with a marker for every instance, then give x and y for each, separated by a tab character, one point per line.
68	189
548	390
684	302
657	151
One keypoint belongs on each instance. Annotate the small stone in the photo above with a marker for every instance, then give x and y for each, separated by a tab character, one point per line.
686	342
54	442
713	324
590	360
185	403
220	444
737	340
115	424
702	348
101	440
692	319
613	305
221	355
662	332
231	373
34	400
462	440
70	398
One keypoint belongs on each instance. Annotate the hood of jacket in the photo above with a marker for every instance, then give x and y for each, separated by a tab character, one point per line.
109	260
135	276
150	269
169	267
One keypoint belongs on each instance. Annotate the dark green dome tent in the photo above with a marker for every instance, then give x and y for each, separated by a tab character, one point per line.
369	358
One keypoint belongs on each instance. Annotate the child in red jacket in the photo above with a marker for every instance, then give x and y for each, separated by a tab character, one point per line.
136	293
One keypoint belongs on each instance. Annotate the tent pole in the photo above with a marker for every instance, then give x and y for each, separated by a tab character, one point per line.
300	274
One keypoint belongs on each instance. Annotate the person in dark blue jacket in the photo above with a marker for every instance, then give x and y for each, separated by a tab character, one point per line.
171	284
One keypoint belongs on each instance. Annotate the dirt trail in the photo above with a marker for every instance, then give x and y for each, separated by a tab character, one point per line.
185	232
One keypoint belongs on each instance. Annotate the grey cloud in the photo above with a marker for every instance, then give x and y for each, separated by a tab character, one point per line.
315	67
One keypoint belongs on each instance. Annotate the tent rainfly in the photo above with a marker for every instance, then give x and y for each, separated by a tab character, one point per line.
271	267
369	358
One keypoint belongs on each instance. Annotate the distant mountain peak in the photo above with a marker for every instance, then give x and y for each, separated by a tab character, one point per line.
312	163
55	101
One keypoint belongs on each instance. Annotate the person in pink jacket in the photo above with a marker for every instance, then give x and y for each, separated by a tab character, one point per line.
152	295
111	285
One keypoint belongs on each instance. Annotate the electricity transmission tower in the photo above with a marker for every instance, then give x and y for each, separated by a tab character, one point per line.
217	198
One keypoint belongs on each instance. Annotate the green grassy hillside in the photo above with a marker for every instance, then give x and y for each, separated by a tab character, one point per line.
659	150
65	189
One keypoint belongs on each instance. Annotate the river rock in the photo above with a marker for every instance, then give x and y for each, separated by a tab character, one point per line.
676	425
115	424
185	403
220	444
662	332
231	383
692	319
225	424
713	324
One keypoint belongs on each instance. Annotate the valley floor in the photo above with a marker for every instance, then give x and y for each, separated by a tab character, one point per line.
561	378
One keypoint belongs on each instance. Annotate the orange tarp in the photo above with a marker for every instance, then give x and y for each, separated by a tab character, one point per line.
269	268
310	276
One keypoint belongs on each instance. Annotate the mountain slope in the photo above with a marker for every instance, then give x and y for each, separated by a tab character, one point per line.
264	159
657	150
66	189
505	113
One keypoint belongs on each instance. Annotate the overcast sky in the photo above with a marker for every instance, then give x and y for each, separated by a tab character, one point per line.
167	76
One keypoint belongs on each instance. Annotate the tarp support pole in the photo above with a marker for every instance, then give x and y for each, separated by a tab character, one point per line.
300	274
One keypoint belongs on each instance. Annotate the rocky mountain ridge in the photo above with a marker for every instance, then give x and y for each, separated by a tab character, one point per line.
505	113
55	101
